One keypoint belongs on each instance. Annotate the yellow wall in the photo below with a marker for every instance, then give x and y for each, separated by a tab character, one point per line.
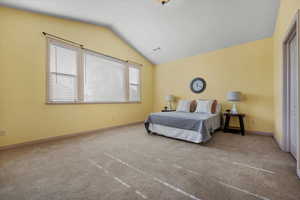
23	113
24	116
287	11
247	68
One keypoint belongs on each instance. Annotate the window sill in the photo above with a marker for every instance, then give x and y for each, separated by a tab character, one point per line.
100	102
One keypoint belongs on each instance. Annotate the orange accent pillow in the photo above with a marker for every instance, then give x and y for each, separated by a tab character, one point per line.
193	106
214	106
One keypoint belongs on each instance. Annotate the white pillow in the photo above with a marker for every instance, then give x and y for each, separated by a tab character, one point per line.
204	106
184	106
219	109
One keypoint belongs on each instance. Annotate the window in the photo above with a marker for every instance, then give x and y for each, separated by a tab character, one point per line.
134	84
105	80
63	78
78	75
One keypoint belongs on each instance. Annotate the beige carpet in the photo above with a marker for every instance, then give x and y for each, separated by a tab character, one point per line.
127	163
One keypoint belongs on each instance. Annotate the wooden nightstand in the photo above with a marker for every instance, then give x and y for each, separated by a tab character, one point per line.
240	129
168	110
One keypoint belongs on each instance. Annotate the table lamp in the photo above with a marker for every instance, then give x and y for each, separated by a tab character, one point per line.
234	96
170	99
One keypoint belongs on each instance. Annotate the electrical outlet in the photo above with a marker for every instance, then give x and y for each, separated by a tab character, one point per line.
2	132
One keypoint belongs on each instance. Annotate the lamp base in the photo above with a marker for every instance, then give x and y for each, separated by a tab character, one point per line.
170	105
234	109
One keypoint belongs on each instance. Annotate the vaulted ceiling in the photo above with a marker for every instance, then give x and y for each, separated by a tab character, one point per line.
178	29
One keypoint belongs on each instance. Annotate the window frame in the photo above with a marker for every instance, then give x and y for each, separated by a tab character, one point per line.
80	74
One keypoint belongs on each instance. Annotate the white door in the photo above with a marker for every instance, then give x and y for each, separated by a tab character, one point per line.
293	96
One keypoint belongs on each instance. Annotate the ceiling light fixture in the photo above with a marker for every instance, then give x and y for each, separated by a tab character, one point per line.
163	2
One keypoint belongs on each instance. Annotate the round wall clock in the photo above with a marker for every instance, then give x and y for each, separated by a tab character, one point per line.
198	85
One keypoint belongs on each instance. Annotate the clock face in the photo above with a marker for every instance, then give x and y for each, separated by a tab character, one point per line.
198	85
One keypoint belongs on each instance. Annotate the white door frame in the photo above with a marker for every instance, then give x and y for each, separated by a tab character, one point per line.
294	28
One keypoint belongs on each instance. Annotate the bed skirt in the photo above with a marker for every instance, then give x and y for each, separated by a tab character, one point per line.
182	134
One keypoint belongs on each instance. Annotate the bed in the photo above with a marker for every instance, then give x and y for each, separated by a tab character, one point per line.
188	126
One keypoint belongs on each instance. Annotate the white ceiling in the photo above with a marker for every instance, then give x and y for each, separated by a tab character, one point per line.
180	28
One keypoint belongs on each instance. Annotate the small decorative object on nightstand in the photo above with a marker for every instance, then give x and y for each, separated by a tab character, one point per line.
240	129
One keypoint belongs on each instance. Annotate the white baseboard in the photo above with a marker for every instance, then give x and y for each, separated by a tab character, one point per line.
281	146
60	137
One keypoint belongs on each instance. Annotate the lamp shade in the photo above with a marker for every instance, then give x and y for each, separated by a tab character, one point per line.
169	98
234	96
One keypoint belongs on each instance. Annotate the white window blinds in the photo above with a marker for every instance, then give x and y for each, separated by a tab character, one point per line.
134	84
83	76
63	78
104	79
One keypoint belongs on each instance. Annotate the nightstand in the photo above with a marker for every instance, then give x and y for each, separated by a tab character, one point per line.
168	110
240	129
